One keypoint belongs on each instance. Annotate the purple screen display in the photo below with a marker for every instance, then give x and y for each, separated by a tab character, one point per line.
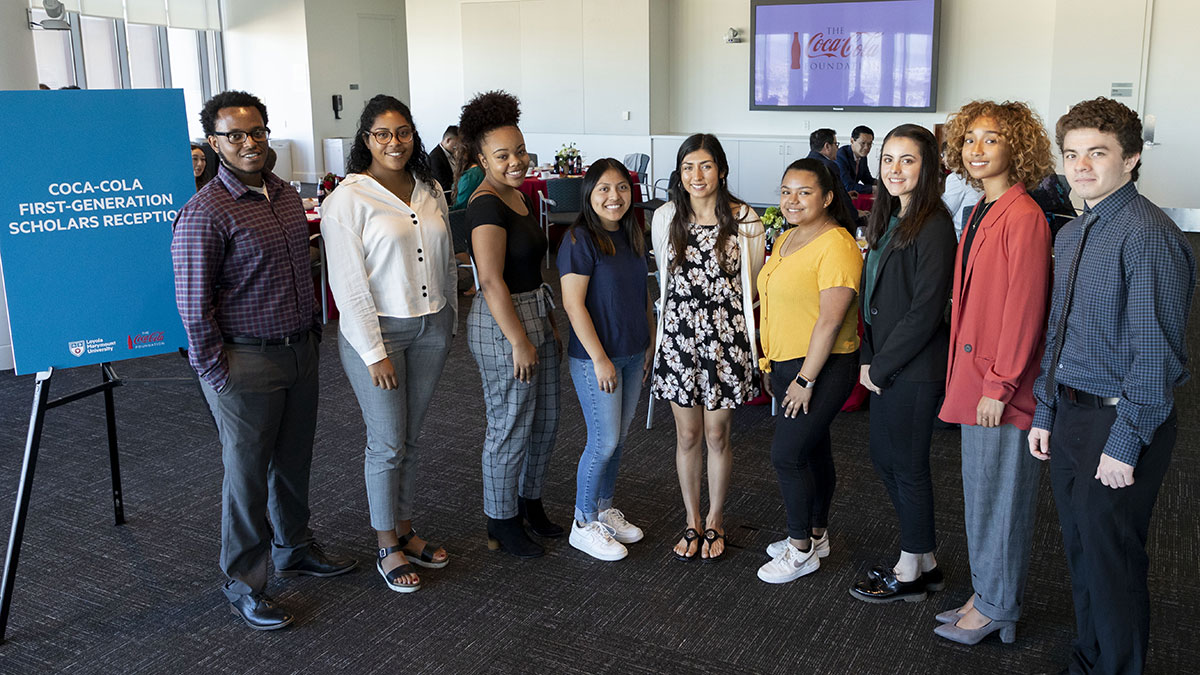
869	54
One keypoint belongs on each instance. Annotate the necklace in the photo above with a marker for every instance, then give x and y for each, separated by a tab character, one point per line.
406	198
792	248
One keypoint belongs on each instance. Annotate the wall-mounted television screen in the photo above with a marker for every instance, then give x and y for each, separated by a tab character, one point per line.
844	54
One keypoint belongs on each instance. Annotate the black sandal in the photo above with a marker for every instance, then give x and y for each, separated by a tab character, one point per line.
689	535
710	537
424	557
392	577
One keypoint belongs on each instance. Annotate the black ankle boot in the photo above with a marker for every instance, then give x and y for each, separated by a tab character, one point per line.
508	535
534	514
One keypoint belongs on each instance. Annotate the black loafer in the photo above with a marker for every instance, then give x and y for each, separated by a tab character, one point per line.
934	580
882	586
260	612
317	564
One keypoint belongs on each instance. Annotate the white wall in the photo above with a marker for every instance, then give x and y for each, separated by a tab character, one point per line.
18	72
266	54
335	62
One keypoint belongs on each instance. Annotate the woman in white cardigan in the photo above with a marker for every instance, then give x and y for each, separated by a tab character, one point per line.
709	247
394	277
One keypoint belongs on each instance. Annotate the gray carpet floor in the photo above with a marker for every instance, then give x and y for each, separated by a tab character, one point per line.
144	597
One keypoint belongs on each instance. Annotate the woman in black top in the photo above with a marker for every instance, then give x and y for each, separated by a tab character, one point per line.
905	290
510	330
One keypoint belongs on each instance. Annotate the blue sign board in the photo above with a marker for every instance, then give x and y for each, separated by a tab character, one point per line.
92	182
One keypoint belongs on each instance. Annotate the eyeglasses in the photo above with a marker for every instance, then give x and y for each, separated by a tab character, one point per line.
384	136
238	137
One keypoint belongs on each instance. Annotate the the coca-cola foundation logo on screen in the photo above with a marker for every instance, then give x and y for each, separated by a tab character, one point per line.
146	339
835	43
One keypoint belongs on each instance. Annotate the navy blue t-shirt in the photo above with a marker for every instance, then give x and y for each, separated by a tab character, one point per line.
616	293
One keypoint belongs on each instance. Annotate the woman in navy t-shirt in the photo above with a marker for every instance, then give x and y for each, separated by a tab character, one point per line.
602	261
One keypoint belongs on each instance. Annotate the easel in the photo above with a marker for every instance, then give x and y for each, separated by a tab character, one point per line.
41	403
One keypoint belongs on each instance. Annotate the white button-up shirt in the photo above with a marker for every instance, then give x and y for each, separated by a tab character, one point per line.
386	258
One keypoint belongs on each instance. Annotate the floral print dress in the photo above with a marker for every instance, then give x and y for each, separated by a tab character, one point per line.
705	357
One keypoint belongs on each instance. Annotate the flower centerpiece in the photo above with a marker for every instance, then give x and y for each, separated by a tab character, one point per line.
568	161
774	224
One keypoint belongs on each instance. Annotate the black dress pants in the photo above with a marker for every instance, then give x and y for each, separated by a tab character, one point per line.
901	429
1104	535
801	449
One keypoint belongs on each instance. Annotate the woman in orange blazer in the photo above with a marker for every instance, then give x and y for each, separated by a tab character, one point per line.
997	326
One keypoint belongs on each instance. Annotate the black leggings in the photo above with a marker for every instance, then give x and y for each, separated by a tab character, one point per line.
801	450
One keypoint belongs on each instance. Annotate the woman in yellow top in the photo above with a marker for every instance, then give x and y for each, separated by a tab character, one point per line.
809	319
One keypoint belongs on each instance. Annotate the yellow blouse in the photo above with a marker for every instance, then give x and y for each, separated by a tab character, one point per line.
789	291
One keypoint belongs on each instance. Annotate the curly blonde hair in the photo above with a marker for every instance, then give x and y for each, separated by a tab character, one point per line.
1020	126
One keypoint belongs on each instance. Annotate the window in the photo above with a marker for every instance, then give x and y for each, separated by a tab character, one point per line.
101	63
145	56
112	53
52	50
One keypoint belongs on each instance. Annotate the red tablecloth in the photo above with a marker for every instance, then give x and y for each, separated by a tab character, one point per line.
314	227
864	201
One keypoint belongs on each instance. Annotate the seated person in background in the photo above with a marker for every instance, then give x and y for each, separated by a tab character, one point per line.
199	164
467	176
441	158
822	145
852	160
958	196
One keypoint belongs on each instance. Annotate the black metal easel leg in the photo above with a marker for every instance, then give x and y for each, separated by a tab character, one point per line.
111	416
41	393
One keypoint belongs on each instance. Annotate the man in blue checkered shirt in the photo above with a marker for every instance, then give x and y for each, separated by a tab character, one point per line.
1115	352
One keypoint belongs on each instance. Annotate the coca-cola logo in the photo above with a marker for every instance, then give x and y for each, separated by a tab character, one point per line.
857	43
145	339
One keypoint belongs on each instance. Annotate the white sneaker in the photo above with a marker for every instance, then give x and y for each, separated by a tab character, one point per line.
789	565
821	545
623	530
596	540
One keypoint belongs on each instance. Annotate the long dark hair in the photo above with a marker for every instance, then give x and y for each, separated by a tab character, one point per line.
482	114
727	224
836	209
926	199
360	154
589	221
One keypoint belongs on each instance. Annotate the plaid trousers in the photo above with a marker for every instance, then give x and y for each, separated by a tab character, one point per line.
522	419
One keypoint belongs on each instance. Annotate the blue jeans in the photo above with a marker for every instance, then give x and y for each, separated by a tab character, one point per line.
607	417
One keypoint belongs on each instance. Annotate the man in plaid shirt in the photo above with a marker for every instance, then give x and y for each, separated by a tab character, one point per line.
244	290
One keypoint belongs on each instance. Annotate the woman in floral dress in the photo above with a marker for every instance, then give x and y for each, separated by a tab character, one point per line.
709	247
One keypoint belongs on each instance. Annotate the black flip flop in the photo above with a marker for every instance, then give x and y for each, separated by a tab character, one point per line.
689	535
711	536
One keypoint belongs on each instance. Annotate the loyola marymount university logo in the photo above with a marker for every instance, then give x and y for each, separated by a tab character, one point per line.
91	346
76	347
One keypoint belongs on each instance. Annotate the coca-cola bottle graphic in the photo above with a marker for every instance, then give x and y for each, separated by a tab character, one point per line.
796	51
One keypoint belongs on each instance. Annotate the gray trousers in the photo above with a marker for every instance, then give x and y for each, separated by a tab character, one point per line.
522	419
1000	484
417	348
266	417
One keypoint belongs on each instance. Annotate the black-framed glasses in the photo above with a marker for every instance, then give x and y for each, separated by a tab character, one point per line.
238	137
384	136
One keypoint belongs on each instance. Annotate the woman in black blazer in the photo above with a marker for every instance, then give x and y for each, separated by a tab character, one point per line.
906	287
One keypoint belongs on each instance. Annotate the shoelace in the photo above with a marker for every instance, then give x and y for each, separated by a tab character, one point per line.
603	531
617	519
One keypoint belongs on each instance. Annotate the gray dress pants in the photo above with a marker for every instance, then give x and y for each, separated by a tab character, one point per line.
1000	483
266	417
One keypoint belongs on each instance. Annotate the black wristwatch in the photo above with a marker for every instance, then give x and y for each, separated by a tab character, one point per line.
804	381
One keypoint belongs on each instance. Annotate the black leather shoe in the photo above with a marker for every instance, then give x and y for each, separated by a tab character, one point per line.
508	535
317	564
934	580
535	514
881	586
260	612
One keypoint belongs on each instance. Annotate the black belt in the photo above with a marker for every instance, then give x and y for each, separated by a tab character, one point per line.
1083	398
263	343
